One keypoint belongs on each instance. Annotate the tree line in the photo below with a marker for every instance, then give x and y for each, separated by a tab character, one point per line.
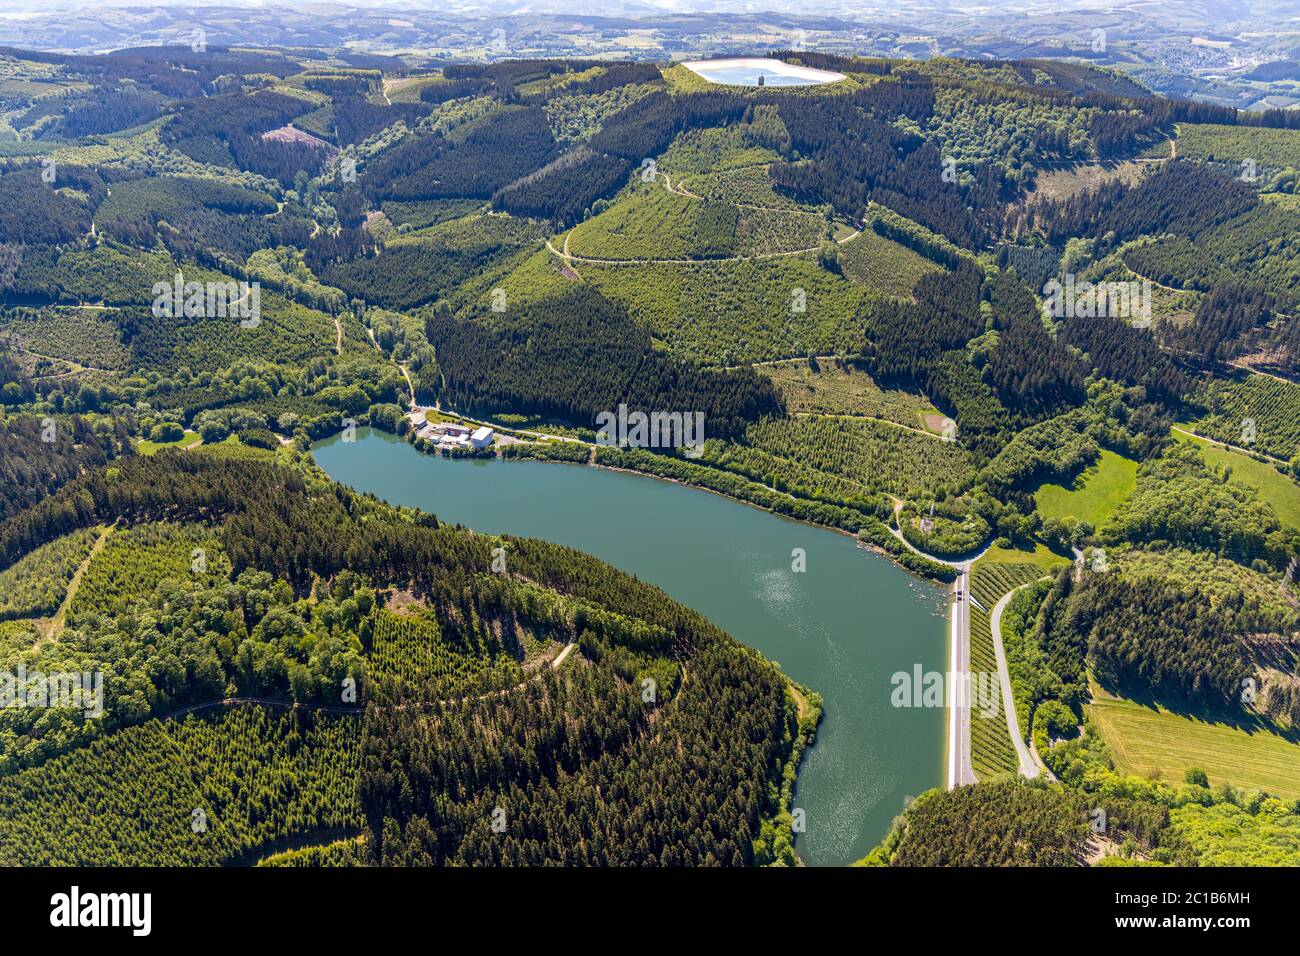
576	355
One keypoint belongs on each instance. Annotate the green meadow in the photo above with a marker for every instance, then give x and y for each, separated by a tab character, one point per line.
1146	740
1094	494
1273	486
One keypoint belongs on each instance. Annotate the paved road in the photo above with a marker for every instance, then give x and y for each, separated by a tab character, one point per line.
960	769
1028	766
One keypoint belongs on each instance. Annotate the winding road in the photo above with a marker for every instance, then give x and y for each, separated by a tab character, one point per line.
1028	765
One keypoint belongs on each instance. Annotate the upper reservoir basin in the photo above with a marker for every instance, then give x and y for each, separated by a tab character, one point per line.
842	627
746	71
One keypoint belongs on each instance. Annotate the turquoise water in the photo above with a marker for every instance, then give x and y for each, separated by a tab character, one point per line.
745	71
748	76
842	627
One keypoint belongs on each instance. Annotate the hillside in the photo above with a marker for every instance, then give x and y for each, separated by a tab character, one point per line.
952	307
286	686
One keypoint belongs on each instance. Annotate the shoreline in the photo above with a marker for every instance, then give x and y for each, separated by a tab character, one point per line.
867	545
808	734
774	66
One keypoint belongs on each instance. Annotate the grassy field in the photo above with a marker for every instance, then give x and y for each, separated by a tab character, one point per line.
146	447
1048	562
1145	740
1275	488
1094	494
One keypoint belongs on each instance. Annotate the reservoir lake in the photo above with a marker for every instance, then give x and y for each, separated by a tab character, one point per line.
842	627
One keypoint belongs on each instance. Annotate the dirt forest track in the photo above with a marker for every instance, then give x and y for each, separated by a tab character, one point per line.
350	708
569	258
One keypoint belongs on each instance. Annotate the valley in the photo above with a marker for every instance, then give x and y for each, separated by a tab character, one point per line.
841	627
304	359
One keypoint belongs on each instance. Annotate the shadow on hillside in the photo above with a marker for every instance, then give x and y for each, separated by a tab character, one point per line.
1232	718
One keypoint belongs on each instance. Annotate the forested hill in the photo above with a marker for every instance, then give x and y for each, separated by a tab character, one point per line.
1021	311
307	590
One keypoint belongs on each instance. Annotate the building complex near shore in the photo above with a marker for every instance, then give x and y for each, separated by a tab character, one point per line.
451	434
